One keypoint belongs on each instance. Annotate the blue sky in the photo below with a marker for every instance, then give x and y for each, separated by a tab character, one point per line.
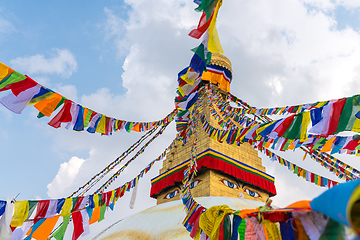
122	59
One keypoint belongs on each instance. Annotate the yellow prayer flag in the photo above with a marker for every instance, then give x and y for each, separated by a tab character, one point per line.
21	211
304	124
66	209
4	70
356	126
214	45
189	77
211	219
101	125
271	230
41	98
96	200
357	154
112	195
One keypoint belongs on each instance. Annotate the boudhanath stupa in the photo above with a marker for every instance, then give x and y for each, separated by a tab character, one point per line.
212	184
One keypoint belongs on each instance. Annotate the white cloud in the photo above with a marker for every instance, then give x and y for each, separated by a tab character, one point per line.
64	178
61	62
283	40
69	91
349	3
281	53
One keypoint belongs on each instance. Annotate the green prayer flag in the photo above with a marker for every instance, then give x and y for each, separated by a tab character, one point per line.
32	206
102	212
296	170
200	51
316	178
287	144
346	114
40	115
59	234
207	6
87	118
277	110
241	229
304	173
12	78
227	228
128	126
100	199
294	130
74	200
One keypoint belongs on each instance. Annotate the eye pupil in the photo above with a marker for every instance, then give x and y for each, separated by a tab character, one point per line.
231	184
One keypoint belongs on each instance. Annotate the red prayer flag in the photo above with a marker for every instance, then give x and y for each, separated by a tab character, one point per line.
202	26
336	111
284	125
42	208
107	126
108	197
312	176
63	116
78	203
21	86
351	145
103	198
78	225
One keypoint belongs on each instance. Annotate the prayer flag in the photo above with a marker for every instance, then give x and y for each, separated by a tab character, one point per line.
59	234
41	209
17	103
44	230
21	211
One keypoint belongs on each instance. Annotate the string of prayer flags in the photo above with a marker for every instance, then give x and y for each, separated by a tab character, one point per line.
25	91
285	134
86	187
83	210
300	172
190	77
334	165
289	109
133	182
142	149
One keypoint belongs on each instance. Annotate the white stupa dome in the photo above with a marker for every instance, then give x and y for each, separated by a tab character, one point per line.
164	221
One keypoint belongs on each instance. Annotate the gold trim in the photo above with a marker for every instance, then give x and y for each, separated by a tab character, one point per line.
221	60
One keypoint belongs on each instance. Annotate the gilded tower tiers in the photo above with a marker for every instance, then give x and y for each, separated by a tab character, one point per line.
223	170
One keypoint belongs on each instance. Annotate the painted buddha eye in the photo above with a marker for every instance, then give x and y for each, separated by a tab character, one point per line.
252	193
229	184
194	183
172	194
